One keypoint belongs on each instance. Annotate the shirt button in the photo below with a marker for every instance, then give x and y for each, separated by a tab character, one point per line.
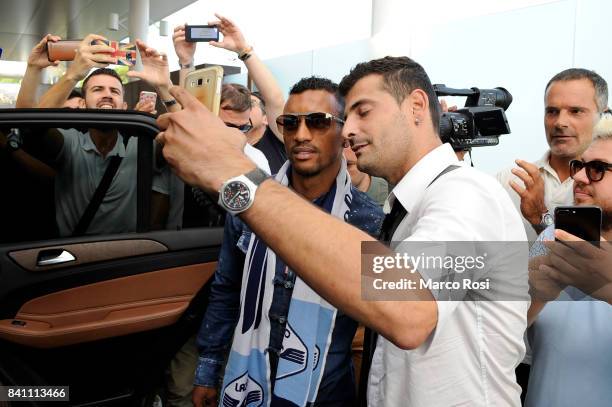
282	320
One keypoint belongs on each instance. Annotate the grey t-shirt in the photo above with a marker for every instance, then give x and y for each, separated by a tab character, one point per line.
80	170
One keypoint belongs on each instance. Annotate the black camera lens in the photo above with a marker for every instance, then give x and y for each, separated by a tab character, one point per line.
498	97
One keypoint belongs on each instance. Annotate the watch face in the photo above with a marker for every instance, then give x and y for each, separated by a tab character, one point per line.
547	219
236	195
13	144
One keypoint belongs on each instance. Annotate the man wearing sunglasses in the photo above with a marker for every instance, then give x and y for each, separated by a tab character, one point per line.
574	99
292	313
429	352
571	290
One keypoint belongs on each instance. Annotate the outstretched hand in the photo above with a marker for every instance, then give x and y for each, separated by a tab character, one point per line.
155	66
233	40
39	56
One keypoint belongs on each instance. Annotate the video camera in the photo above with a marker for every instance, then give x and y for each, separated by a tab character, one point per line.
480	122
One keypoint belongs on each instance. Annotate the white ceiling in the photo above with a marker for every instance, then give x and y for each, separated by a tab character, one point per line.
24	22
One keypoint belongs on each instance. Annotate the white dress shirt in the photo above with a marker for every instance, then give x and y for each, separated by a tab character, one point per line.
470	357
556	193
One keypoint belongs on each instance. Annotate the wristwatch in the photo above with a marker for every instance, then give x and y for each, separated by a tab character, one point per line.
13	140
546	220
237	194
188	65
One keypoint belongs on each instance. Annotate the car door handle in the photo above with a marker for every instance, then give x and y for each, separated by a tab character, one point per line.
54	256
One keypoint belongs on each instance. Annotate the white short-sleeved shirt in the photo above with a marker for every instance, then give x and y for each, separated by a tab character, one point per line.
556	193
470	357
80	170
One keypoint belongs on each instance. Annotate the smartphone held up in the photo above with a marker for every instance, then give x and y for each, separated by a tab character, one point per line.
583	222
65	50
201	33
205	85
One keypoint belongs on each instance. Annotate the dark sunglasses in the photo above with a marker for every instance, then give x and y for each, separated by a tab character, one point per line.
595	170
243	127
289	123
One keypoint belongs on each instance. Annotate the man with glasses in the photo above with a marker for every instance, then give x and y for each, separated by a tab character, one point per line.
571	290
574	99
275	315
235	111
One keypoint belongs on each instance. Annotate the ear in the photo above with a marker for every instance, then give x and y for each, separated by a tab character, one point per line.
416	105
264	119
82	104
125	105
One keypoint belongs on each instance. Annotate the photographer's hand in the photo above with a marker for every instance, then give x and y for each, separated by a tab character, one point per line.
155	67
37	61
532	196
38	57
184	50
89	56
233	40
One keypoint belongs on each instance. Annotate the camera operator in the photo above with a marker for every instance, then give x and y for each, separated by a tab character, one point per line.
431	353
574	99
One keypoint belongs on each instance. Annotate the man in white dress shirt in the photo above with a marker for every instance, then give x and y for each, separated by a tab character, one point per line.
574	100
430	352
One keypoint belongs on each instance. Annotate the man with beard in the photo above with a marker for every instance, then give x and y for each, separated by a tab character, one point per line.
571	289
574	98
300	322
81	159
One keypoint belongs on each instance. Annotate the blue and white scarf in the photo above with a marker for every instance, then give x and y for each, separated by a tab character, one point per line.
308	331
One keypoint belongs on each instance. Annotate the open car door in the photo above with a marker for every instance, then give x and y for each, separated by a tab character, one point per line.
105	311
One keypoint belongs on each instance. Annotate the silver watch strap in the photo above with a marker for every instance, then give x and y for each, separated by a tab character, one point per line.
257	176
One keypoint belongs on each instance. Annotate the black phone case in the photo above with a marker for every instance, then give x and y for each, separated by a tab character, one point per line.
581	221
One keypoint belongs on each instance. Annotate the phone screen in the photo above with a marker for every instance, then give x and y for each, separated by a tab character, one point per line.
202	33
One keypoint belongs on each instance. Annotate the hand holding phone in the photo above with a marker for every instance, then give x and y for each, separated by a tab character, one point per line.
125	53
146	102
205	85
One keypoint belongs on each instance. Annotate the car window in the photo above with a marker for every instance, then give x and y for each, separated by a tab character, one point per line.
48	176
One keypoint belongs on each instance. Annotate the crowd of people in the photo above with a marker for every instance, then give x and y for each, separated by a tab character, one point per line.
306	181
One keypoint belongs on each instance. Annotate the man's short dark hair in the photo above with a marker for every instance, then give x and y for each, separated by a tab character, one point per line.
318	83
262	102
237	97
101	71
401	76
599	83
74	94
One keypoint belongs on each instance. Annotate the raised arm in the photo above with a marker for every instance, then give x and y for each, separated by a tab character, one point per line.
233	40
156	73
185	52
37	61
87	57
286	221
